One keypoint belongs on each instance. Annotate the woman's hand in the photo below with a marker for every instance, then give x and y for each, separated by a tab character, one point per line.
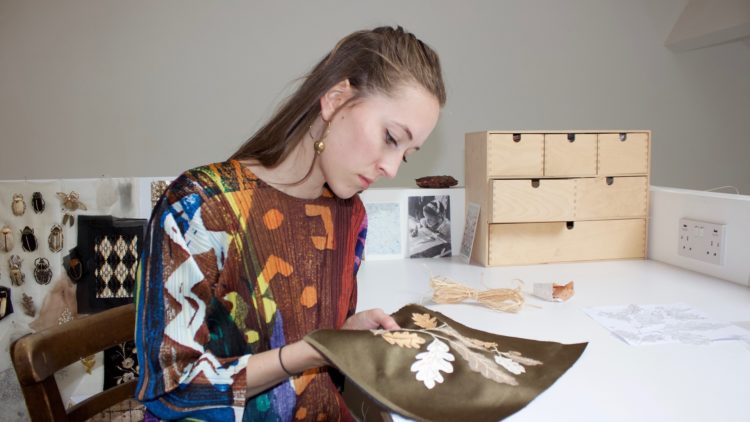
369	320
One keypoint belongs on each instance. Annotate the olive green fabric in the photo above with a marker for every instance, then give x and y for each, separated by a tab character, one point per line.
490	392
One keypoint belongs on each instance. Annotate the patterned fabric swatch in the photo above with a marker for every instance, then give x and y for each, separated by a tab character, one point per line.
115	264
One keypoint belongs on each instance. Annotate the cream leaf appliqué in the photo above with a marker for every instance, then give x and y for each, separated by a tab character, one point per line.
512	366
429	364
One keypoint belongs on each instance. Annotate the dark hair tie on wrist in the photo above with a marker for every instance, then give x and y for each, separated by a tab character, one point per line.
282	363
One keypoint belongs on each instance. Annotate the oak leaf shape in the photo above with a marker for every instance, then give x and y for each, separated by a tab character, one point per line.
424	320
429	364
483	344
403	339
512	366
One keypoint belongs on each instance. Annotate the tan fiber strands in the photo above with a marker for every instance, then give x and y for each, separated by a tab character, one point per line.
446	290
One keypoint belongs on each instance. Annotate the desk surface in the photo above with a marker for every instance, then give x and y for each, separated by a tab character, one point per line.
611	381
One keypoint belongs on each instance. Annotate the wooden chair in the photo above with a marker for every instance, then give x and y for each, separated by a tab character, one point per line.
36	358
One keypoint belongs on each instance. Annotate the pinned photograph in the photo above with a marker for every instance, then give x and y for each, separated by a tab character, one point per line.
429	226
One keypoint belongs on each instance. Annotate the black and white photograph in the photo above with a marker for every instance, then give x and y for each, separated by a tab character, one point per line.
429	226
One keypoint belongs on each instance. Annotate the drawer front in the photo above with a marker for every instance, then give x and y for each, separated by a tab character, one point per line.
538	243
510	155
532	200
571	154
611	197
623	153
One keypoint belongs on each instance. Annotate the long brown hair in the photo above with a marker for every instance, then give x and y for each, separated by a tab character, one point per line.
377	60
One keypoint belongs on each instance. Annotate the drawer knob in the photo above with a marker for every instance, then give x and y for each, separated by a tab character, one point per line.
516	137
623	137
610	180
534	183
571	137
570	224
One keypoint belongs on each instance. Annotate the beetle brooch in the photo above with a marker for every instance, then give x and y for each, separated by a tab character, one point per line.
55	239
37	202
18	206
42	271
28	239
73	265
17	277
6	239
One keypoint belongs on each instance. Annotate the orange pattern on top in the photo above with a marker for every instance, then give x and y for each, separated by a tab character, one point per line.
301	382
275	265
322	242
309	297
273	219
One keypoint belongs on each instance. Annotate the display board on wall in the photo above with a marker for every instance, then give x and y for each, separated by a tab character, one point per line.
40	221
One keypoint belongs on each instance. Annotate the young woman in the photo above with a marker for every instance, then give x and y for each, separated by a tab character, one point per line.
243	258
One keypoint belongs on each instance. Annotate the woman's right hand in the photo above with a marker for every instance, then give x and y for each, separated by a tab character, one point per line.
369	320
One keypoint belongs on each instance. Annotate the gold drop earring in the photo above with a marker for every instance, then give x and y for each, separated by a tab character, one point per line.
319	145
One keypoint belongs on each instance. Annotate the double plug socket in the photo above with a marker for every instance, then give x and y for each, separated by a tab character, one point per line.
702	240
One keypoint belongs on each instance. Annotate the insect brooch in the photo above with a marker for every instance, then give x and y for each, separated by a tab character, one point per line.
28	305
37	202
73	265
18	206
55	239
17	277
42	271
6	306
6	239
28	239
71	202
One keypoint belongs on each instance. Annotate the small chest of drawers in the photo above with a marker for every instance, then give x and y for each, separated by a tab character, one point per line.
558	196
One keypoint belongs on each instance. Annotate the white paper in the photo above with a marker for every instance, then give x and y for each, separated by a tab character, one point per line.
659	324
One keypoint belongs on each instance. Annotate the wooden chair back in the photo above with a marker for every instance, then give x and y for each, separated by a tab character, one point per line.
36	357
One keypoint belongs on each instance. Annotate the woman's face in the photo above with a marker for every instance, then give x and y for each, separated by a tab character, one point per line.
431	220
370	138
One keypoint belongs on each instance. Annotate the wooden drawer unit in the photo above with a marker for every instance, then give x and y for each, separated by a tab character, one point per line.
532	200
623	153
570	154
539	243
510	154
558	196
611	197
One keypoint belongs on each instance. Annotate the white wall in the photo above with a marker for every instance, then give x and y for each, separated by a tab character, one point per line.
669	205
149	88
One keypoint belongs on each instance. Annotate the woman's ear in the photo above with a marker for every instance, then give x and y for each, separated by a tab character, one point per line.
334	98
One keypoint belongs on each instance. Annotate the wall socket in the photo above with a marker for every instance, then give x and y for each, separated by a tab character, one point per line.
702	240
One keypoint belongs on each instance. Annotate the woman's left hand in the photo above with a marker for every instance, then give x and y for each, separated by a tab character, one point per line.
370	320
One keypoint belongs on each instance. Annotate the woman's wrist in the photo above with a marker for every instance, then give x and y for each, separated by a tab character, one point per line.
300	356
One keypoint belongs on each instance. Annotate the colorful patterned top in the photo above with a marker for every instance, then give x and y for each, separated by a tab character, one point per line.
231	267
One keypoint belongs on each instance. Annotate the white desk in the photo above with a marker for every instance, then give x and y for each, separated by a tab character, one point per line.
612	381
